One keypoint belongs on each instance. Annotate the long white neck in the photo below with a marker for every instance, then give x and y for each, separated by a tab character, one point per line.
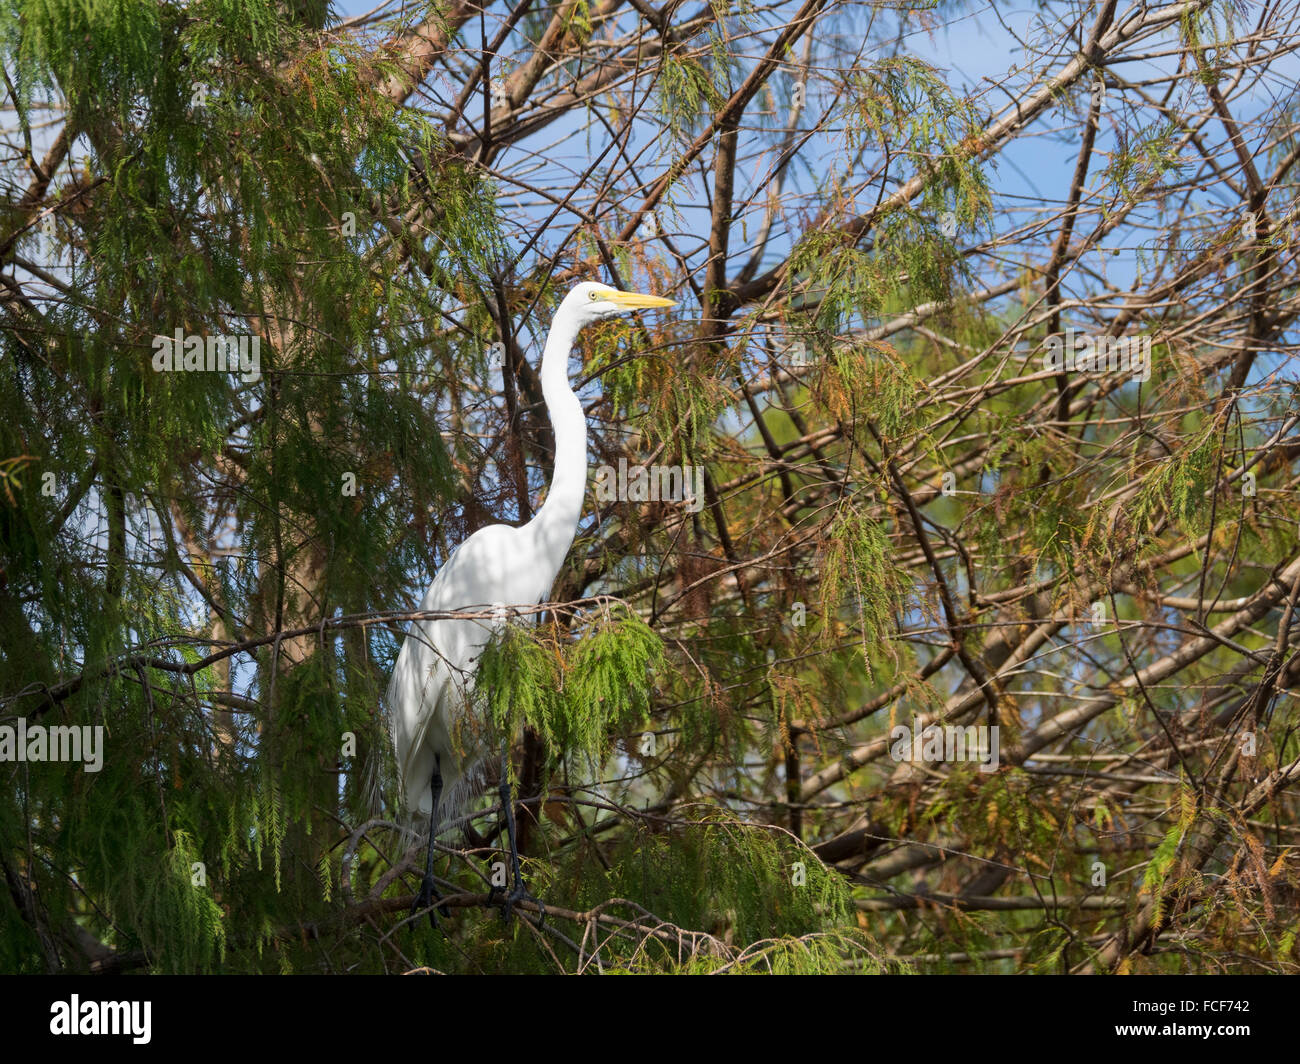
557	520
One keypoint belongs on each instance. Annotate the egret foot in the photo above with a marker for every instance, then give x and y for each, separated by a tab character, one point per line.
516	895
426	899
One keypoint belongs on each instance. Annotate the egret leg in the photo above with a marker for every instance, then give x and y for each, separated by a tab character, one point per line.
428	892
518	892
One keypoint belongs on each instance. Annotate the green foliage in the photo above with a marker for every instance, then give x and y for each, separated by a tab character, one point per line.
686	88
727	896
578	699
222	163
860	563
1178	486
670	402
725	876
47	42
870	381
902	103
840	281
1142	157
1207	30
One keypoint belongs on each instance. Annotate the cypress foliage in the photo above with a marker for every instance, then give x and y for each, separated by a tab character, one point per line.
894	513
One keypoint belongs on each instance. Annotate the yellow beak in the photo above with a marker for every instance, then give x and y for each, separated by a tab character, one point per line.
636	301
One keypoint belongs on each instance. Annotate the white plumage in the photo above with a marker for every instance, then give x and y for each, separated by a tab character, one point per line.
433	681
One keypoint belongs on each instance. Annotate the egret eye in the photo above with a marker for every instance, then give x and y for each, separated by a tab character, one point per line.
593	296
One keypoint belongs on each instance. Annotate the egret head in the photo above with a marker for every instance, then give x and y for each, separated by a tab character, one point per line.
592	301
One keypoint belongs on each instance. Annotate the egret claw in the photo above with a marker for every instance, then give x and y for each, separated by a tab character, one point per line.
520	893
427	899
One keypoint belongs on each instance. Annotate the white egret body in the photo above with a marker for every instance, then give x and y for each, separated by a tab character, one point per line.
433	681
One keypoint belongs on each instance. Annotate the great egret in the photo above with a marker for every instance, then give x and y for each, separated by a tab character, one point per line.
433	682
